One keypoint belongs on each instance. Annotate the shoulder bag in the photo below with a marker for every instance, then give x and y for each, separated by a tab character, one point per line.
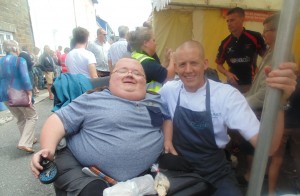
17	97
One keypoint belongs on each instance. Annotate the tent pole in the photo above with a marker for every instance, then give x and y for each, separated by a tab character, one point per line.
282	51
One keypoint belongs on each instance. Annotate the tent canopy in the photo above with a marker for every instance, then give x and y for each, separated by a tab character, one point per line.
174	24
267	5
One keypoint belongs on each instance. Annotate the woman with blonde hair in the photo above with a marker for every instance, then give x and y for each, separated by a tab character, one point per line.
14	73
143	47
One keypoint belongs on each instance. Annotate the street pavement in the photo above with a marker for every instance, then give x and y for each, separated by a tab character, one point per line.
16	178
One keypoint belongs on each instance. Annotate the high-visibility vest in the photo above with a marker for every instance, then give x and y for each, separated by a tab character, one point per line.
153	85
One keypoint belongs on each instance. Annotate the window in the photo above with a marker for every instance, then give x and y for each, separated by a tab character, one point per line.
4	36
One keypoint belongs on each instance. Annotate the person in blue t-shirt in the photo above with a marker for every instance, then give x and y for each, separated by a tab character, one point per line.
118	130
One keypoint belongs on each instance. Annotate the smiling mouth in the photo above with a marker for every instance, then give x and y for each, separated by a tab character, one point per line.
129	82
189	77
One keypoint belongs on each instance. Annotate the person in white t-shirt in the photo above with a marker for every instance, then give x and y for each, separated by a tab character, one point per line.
202	110
79	60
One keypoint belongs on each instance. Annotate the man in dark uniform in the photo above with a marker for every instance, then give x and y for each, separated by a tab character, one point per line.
239	50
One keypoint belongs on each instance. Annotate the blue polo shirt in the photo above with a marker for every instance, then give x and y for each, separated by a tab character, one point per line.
122	138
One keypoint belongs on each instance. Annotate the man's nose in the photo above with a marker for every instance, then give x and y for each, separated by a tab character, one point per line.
129	72
188	68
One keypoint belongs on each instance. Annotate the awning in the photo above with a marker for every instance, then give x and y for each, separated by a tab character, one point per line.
102	23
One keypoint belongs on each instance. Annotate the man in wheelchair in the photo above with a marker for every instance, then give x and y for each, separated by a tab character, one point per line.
118	130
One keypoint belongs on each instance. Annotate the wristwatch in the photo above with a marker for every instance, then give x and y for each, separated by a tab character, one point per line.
285	107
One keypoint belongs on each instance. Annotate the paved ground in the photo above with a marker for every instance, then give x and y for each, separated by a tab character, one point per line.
15	176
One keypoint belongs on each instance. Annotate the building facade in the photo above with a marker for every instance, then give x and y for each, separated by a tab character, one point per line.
15	23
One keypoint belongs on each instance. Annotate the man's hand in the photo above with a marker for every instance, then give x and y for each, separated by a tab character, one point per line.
169	148
168	57
36	159
232	78
283	78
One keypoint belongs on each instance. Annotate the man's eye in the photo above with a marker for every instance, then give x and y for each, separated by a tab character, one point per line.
123	70
136	73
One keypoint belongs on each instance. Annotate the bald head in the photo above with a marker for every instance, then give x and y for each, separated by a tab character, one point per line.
191	45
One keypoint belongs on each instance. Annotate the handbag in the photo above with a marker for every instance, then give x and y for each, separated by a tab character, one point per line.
17	97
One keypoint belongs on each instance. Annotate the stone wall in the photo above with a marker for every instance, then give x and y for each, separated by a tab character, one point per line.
15	18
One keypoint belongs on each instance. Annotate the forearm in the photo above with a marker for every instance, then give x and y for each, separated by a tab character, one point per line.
168	131
277	135
52	132
222	69
171	70
93	71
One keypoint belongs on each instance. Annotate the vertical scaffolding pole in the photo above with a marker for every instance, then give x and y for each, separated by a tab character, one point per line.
282	51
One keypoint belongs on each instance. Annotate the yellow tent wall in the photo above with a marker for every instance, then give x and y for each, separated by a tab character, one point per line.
206	25
296	43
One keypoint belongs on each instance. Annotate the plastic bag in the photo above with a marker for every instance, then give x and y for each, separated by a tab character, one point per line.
127	188
145	184
138	186
161	182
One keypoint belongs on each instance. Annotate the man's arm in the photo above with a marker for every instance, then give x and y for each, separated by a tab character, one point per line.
92	70
220	60
52	132
283	78
168	137
277	136
170	65
231	78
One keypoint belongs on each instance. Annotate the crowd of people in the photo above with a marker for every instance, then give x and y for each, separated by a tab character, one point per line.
152	108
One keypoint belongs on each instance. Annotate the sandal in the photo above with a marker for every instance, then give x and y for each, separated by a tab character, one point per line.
26	149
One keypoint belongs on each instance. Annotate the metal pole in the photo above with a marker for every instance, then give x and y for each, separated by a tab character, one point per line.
282	51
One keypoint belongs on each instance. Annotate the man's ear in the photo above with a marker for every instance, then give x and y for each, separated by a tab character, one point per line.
206	64
145	43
